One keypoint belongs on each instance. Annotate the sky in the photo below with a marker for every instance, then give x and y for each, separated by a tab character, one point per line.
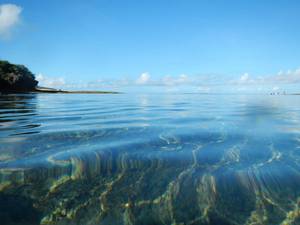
197	46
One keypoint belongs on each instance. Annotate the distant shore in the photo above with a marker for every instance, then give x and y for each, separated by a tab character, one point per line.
52	90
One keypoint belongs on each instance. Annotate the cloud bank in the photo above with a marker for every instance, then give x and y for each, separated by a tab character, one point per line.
9	18
52	82
144	78
211	83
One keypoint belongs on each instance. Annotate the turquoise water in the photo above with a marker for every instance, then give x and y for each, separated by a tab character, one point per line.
149	159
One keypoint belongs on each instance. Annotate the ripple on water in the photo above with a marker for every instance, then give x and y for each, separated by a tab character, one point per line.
121	159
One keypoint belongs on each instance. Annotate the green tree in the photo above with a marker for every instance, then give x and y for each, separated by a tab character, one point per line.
16	78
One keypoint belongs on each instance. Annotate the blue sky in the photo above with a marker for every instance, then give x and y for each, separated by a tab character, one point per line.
129	44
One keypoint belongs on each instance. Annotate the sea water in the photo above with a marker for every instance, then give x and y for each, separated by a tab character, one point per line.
149	159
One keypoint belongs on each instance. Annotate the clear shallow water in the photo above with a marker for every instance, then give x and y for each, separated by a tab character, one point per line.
149	159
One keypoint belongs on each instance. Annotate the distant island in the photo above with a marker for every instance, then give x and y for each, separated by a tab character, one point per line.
18	78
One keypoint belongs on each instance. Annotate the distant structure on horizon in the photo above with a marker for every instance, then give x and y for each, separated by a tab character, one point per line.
278	93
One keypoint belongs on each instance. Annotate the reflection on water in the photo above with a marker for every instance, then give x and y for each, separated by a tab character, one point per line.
149	159
17	114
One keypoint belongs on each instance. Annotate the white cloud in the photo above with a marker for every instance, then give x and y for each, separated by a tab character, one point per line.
282	81
244	78
9	18
143	79
52	82
289	76
182	79
172	81
204	89
210	83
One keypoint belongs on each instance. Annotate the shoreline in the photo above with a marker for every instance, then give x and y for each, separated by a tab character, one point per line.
52	90
58	91
75	92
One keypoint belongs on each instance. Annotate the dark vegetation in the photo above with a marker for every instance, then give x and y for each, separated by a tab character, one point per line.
16	78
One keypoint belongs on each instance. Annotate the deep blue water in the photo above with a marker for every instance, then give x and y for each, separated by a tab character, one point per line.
149	159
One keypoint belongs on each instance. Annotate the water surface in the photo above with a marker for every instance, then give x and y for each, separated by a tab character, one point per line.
149	159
